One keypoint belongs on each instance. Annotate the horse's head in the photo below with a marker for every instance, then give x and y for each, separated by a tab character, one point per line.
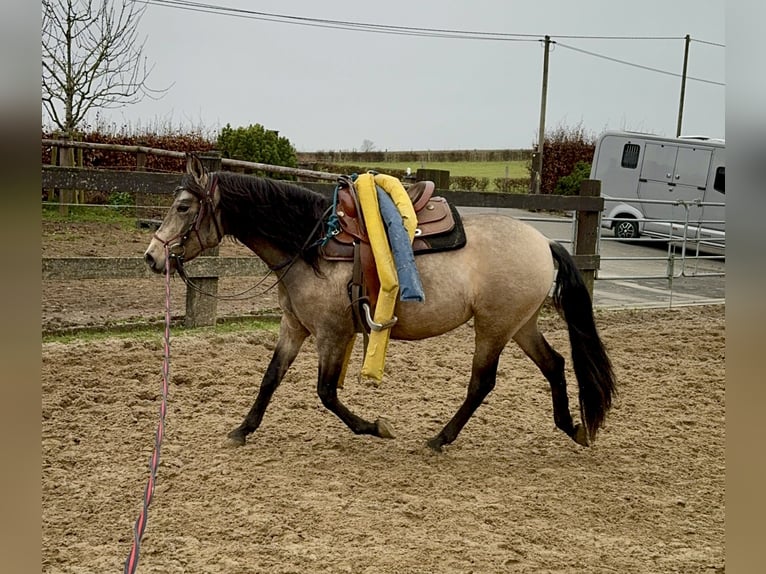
193	222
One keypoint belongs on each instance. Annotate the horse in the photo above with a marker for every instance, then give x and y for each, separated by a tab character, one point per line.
501	279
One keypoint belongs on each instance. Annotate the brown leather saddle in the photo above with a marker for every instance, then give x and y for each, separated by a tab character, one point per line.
439	229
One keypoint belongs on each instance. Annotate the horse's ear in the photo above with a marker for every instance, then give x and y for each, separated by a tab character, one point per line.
195	168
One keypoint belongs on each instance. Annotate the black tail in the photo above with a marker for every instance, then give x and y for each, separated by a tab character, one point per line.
591	364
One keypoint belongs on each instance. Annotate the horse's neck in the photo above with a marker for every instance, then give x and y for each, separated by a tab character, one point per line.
274	220
266	251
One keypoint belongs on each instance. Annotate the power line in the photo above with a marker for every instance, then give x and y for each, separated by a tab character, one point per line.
649	68
386	28
344	25
421	32
585	37
708	43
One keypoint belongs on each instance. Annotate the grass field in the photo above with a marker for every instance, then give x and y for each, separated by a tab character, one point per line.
124	215
489	169
114	331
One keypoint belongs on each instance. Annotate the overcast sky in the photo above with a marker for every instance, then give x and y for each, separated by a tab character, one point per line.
331	89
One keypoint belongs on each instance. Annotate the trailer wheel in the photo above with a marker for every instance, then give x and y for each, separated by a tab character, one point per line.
626	229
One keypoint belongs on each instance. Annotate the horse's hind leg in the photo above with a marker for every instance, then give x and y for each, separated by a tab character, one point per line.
332	355
291	337
483	375
551	364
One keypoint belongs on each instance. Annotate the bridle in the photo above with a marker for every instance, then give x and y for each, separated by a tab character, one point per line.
177	250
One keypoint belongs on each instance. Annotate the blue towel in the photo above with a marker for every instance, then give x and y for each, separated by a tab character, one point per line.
410	287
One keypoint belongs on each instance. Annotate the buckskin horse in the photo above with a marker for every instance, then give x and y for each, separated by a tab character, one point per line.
500	278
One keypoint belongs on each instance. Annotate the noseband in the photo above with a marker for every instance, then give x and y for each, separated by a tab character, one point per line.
177	250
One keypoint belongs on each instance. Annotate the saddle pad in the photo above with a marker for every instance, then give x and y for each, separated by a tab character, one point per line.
434	241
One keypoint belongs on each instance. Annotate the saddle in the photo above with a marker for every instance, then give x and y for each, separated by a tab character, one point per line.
439	229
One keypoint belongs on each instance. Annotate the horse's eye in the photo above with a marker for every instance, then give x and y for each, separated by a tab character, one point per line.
182	208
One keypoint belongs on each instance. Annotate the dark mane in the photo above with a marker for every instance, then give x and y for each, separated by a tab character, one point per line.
281	212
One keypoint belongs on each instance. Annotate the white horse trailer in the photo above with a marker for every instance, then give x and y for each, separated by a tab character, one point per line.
663	187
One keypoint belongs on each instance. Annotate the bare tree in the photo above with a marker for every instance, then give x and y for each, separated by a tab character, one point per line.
368	145
92	58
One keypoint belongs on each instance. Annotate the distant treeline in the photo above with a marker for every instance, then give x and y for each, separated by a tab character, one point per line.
196	142
336	157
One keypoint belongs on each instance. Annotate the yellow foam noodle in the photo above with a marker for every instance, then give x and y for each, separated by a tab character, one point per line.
375	358
393	187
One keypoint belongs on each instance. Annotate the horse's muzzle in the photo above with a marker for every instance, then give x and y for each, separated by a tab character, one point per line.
152	263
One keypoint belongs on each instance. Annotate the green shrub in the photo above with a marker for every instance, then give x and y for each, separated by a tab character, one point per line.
121	198
124	201
570	184
463	182
257	144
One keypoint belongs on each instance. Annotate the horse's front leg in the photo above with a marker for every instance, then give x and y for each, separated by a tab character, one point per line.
332	355
291	337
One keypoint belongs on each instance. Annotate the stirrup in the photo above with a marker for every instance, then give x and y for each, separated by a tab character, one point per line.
377	326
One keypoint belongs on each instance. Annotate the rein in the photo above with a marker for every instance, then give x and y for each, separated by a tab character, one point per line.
287	264
242	295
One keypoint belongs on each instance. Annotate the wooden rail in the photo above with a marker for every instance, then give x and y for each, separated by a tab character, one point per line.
235	163
66	268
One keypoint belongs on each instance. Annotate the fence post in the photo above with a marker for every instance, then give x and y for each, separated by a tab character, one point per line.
140	161
79	161
54	161
201	308
66	159
440	177
586	239
140	198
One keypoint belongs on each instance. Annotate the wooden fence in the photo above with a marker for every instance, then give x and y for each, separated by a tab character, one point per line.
200	309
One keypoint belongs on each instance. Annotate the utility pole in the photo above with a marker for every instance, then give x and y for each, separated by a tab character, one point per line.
683	87
541	130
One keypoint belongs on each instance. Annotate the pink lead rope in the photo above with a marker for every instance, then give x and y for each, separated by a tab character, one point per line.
131	562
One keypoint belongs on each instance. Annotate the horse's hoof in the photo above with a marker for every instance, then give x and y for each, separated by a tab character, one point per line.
435	444
237	437
580	435
384	428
